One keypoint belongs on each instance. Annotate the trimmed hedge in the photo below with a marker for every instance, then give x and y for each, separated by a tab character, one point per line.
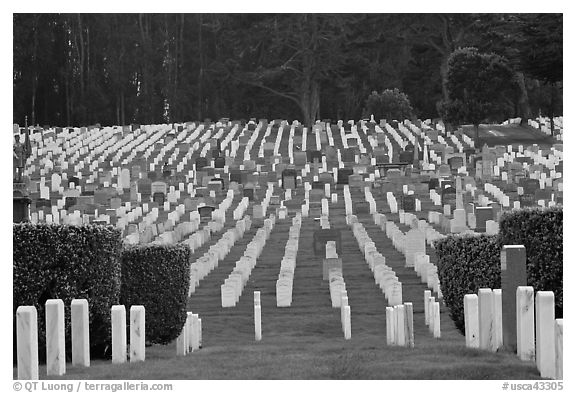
466	264
540	231
157	277
52	261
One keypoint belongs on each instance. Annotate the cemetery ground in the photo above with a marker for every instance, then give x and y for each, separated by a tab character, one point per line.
305	341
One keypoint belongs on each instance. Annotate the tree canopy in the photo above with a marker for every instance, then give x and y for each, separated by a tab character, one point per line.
477	84
79	69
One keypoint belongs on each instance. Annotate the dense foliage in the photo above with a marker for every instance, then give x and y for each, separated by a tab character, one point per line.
479	85
82	69
466	264
391	104
157	277
66	262
541	232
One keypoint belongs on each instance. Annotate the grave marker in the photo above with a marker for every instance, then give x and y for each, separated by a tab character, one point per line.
27	341
80	332
55	340
513	272
118	334
137	334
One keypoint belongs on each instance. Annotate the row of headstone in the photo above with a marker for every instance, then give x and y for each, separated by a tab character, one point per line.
384	275
288	264
432	314
203	265
332	265
400	325
413	245
233	286
539	335
190	338
27	337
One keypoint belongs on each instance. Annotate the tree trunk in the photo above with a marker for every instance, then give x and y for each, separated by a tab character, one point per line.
310	103
523	102
118	109
122	112
201	69
82	59
33	109
35	70
444	78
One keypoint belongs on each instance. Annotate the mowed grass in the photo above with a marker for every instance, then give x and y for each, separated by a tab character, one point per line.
306	358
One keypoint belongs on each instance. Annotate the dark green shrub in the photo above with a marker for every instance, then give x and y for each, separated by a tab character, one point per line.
540	231
65	262
157	277
390	104
466	264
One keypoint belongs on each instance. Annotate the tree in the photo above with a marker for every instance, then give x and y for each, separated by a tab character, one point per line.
541	57
290	56
390	104
478	85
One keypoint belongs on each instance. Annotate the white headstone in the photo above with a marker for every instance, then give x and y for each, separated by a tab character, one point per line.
545	348
497	309
436	316
471	320
55	339
27	341
258	323
400	329
347	323
137	333
118	334
486	318
80	332
390	326
559	347
525	323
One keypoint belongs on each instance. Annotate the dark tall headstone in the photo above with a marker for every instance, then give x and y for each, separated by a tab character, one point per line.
433	183
219	162
74	180
408	203
343	174
449	196
406	157
289	179
201	162
249	193
314	156
159	198
513	275
20	204
483	214
153	176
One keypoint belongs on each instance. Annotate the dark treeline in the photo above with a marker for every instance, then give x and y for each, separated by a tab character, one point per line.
81	69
